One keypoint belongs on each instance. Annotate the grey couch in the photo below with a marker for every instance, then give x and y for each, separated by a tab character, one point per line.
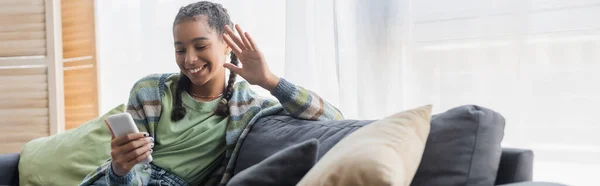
463	148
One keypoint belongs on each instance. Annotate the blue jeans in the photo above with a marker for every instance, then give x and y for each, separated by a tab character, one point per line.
158	177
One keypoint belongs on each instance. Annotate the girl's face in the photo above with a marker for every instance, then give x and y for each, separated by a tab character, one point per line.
199	51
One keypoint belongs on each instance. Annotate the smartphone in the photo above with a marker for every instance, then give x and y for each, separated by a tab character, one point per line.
123	124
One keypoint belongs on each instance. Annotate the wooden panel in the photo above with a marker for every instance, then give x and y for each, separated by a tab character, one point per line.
75	35
35	43
21	79
80	94
23	103
21	136
76	28
77	43
79	100
25	95
78	108
75	3
23	27
79	15
22	71
41	127
84	45
17	131
11	147
24	106
71	84
21	61
86	74
81	115
78	52
21	2
22	9
9	52
14	87
80	63
78	40
23	18
80	76
6	113
37	120
12	36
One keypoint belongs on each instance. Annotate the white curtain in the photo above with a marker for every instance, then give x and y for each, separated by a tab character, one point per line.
536	62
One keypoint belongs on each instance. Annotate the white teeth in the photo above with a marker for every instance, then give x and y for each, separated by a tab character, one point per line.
195	70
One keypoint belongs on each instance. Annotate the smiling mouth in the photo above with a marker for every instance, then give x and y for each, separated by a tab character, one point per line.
196	70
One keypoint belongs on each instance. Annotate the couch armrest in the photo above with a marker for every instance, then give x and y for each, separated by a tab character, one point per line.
516	165
9	174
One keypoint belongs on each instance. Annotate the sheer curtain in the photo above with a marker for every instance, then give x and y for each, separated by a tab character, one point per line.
534	61
349	52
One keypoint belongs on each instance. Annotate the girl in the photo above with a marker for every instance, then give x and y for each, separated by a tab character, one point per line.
194	122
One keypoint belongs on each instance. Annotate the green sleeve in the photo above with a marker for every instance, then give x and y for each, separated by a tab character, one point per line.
303	103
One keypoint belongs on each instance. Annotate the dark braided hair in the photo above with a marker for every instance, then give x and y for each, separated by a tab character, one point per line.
217	19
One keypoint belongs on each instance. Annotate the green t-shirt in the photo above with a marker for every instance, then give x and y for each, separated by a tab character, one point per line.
193	147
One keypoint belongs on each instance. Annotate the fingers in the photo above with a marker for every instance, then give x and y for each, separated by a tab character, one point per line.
235	38
127	151
131	146
243	36
119	141
124	151
142	157
233	68
251	41
236	50
122	166
133	155
138	159
112	134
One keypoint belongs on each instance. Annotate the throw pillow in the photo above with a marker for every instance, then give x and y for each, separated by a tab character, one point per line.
463	148
66	158
386	152
286	167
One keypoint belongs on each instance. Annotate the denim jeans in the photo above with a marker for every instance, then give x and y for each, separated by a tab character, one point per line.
158	177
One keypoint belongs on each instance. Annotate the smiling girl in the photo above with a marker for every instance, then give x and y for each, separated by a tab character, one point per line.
194	122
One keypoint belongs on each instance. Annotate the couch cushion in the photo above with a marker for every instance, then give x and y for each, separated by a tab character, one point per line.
274	133
386	152
285	167
66	158
463	148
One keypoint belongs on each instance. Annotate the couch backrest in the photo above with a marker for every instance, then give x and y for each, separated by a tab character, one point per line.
274	133
463	147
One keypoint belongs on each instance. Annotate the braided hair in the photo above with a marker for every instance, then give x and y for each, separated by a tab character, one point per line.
217	19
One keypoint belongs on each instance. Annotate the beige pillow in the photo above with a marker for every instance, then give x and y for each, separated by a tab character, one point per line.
385	152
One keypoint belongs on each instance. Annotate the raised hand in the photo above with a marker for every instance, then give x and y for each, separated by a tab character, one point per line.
254	67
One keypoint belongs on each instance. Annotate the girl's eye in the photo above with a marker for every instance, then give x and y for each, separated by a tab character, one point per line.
179	51
200	47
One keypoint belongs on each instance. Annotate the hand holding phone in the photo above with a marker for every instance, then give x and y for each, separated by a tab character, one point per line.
128	146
